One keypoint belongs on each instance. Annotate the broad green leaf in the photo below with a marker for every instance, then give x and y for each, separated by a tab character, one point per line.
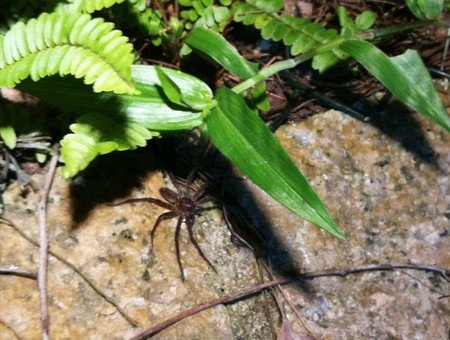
404	75
169	87
193	92
244	139
212	45
149	109
425	9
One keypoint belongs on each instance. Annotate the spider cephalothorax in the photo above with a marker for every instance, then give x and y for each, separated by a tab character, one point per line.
182	205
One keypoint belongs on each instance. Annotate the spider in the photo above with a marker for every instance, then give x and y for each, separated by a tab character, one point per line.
182	205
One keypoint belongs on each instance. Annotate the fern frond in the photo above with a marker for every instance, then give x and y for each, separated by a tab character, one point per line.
97	134
66	44
86	6
299	33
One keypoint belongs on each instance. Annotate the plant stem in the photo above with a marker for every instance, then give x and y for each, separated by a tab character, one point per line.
378	33
285	64
43	240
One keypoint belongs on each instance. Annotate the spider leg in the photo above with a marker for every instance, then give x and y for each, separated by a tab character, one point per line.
189	224
199	193
204	200
156	201
177	246
162	217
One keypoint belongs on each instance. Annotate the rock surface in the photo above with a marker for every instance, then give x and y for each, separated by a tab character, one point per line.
389	191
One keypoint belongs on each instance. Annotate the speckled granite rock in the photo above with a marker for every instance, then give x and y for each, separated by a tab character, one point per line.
392	203
110	245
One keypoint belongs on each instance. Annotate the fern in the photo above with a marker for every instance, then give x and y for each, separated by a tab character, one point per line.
299	33
97	134
206	13
148	21
66	44
86	6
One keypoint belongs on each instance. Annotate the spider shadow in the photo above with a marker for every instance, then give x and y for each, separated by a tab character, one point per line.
249	221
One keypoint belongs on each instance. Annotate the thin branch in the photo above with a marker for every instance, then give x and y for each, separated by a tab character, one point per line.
163	13
446	46
19	272
375	267
306	276
76	270
423	283
10	329
224	299
283	293
43	249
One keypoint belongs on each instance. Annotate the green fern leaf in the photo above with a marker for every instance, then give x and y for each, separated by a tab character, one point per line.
299	33
97	134
87	6
66	44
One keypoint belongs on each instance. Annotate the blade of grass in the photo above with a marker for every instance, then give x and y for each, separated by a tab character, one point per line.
244	139
405	76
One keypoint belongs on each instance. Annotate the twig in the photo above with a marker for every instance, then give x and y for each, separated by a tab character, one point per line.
375	267
423	283
306	276
18	272
163	13
444	55
43	249
224	299
283	293
10	328
76	270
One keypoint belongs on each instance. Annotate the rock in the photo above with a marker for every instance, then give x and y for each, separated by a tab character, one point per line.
391	201
110	246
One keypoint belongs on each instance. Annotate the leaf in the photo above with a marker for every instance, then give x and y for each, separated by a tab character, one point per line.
87	6
212	45
300	33
150	109
344	19
66	44
8	135
425	9
97	134
169	87
15	120
188	90
244	139
365	20
405	76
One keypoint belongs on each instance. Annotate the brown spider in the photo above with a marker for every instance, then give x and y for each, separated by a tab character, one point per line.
181	205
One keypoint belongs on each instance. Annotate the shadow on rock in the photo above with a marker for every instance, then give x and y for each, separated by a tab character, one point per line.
108	178
401	125
247	219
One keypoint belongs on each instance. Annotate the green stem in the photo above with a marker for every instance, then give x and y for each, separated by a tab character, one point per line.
284	65
378	33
